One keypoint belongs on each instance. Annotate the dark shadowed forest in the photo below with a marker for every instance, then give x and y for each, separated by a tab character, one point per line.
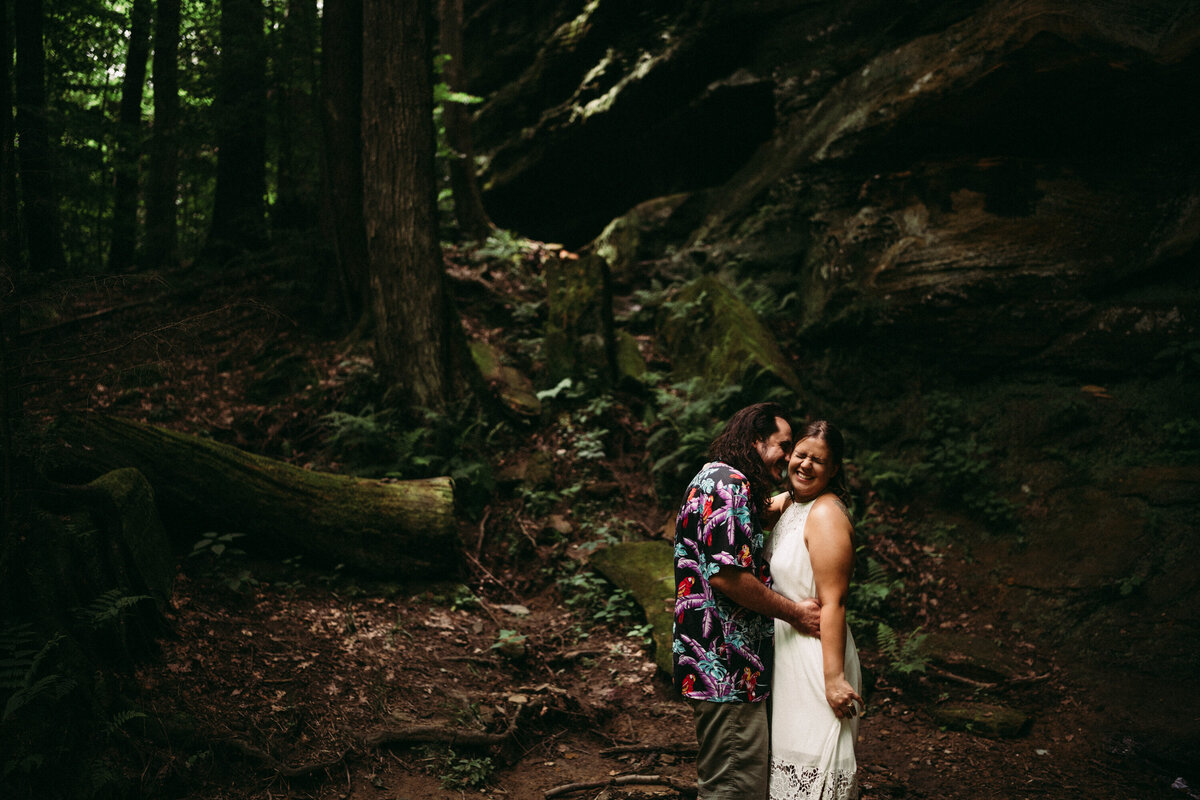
355	355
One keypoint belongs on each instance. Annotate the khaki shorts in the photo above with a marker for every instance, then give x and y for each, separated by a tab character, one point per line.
733	761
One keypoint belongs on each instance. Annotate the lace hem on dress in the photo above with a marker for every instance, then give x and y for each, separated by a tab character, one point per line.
807	782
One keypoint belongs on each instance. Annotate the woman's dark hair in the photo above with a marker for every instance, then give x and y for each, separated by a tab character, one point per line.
827	432
735	447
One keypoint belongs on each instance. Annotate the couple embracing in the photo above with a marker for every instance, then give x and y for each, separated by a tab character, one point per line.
759	621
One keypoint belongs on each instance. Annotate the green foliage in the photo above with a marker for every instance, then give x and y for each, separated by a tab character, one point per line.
24	682
377	444
687	420
902	653
508	638
890	478
504	246
597	602
1184	355
460	772
869	594
108	607
216	545
1181	437
959	465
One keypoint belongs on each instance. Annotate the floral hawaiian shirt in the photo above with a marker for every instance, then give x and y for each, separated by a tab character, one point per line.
722	651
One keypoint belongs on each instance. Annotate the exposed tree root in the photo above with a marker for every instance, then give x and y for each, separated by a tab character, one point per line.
683	787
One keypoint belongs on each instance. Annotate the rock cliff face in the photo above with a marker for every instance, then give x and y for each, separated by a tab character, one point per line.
1005	182
999	200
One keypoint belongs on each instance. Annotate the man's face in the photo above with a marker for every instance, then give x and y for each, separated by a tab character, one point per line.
775	449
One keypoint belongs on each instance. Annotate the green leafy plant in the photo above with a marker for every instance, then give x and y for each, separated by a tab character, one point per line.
216	545
687	420
869	594
460	772
959	464
903	654
108	607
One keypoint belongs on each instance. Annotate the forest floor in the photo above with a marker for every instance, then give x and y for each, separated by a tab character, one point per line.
284	679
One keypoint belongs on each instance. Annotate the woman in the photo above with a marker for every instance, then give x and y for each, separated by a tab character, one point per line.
815	696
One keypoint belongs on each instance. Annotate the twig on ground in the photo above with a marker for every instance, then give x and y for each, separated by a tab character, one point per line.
673	748
683	787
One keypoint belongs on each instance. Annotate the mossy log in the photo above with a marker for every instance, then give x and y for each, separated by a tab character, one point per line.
400	529
647	571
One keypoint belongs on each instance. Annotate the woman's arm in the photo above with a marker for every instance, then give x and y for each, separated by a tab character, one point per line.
829	537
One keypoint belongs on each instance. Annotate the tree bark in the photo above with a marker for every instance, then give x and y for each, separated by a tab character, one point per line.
10	307
469	212
35	159
403	529
239	207
341	121
407	278
296	176
162	192
128	145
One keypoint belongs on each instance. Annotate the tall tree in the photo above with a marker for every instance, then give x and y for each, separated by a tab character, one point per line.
34	156
407	279
161	190
342	155
128	145
468	202
297	160
10	319
239	208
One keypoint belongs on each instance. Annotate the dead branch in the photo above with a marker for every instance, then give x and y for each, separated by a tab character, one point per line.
436	734
683	787
673	748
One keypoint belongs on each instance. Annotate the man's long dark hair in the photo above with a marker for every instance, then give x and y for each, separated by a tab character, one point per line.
735	447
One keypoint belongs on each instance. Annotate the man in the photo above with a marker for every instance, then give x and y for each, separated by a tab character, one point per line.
724	607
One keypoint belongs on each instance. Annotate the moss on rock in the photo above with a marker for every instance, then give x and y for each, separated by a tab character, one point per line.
709	333
646	570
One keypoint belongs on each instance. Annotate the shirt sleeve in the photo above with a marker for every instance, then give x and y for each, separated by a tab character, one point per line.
726	531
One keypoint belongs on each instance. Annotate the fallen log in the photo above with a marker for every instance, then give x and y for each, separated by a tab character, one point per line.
400	529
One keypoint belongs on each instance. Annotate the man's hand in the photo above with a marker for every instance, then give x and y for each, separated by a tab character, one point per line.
807	619
740	586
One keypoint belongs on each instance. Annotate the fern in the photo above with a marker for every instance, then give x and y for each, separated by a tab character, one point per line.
903	653
107	607
121	719
19	669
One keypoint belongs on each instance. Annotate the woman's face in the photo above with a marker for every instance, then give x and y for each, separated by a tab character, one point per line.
810	469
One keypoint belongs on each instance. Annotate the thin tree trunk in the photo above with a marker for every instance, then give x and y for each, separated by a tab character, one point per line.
472	219
296	166
35	161
407	278
128	147
239	208
162	191
10	277
341	121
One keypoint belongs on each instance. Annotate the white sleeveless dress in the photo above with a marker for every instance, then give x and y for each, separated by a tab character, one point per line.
812	751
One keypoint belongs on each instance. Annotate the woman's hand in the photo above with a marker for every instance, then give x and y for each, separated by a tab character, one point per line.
842	698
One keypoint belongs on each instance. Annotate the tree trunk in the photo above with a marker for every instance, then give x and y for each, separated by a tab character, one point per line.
341	121
162	192
407	278
403	529
128	146
34	156
239	210
10	307
296	176
468	202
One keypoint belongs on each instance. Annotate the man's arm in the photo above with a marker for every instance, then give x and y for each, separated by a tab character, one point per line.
740	586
